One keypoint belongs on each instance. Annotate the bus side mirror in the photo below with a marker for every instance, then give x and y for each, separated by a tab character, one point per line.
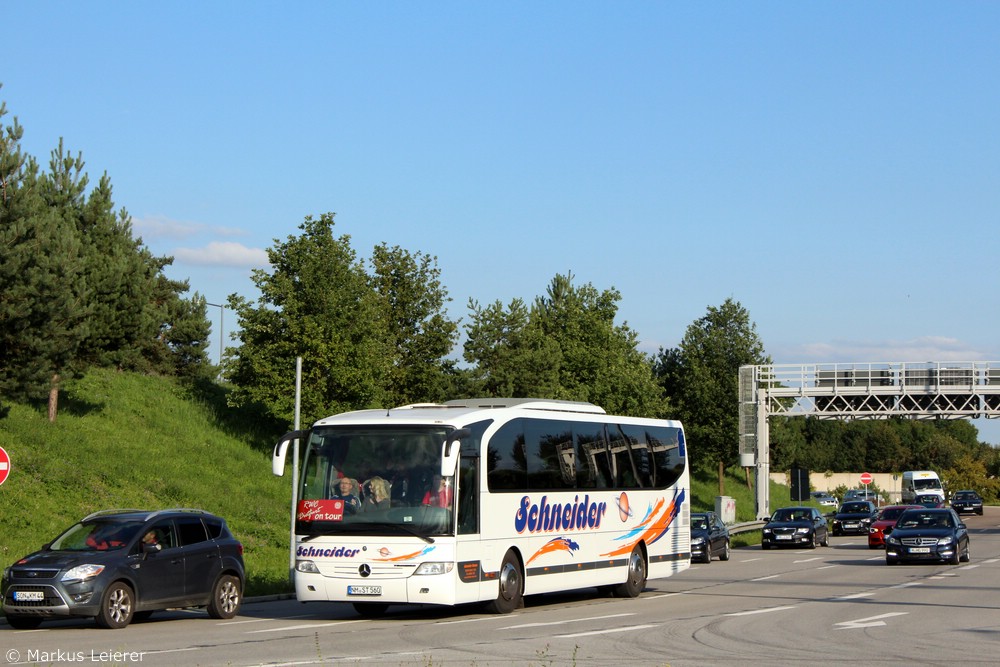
450	451
280	450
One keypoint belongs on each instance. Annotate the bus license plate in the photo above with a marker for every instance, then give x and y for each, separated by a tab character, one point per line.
920	550
29	596
364	590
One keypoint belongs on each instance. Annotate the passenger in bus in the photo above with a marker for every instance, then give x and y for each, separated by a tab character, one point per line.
439	494
378	495
348	492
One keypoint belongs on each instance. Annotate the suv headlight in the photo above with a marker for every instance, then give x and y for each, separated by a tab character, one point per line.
82	573
434	568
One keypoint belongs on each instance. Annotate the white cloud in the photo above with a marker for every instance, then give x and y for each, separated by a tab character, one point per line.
926	348
223	253
159	228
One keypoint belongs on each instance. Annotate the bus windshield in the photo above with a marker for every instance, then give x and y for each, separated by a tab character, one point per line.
375	480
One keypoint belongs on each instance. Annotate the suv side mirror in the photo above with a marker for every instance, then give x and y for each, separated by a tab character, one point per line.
151	548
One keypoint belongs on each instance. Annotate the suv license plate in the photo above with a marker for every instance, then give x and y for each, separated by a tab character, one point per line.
29	596
364	590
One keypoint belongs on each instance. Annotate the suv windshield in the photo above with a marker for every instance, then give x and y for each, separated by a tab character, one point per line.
97	535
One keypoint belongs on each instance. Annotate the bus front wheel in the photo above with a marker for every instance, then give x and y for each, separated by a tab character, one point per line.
511	587
636	580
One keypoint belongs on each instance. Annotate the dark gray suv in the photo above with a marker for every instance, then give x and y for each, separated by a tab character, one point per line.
118	565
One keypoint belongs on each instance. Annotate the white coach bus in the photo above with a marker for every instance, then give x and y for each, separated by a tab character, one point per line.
486	500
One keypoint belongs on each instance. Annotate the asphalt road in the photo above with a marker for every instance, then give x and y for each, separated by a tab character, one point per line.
835	605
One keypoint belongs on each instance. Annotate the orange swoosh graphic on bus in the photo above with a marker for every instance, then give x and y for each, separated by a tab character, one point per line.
415	554
655	525
558	544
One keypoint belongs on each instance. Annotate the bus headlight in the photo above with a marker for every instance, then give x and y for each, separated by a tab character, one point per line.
434	568
306	566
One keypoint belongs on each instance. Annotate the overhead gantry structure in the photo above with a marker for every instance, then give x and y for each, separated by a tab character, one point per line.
917	390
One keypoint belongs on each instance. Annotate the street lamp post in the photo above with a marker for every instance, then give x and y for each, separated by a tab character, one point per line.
222	326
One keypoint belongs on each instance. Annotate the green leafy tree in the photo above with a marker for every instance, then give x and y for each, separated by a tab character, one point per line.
510	360
316	302
701	376
566	346
420	333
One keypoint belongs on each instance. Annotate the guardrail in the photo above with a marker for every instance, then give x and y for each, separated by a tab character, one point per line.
746	527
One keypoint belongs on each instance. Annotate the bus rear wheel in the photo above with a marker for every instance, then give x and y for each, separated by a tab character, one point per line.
636	580
511	592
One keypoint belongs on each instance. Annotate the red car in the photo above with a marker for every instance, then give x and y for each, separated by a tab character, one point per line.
886	517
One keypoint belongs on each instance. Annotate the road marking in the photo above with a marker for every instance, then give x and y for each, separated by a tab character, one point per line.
825	567
467	620
572	620
807	560
607	631
772	576
855	596
870	622
760	611
307	626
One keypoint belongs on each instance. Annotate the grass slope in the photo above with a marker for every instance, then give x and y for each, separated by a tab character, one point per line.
123	440
130	441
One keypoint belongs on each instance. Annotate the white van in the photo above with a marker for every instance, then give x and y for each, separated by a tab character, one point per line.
920	483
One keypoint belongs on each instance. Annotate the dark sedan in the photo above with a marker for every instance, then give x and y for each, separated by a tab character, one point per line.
709	537
795	526
927	535
967	501
854	518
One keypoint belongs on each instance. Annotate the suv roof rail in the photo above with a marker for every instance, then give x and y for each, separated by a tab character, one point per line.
190	510
115	511
149	513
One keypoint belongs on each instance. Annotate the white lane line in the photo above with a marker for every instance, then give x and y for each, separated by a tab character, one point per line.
572	620
607	631
307	626
870	622
760	611
772	576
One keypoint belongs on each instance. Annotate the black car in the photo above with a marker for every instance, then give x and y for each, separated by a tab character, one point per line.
123	564
709	537
927	534
795	526
967	501
854	517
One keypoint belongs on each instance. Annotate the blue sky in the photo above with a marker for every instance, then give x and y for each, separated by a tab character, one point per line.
834	167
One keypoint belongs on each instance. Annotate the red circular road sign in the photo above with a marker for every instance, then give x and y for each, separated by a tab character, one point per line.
4	465
866	478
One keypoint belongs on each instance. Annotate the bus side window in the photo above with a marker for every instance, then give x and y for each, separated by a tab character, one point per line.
592	464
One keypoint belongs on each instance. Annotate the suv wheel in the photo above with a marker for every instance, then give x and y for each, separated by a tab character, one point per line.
226	597
117	606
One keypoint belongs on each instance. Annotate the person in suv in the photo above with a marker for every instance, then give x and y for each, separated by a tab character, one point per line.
123	564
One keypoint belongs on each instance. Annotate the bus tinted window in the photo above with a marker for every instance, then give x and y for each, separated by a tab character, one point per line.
668	454
506	464
549	449
592	464
642	459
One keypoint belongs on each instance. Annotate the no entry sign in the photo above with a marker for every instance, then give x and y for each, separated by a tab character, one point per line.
866	478
4	465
